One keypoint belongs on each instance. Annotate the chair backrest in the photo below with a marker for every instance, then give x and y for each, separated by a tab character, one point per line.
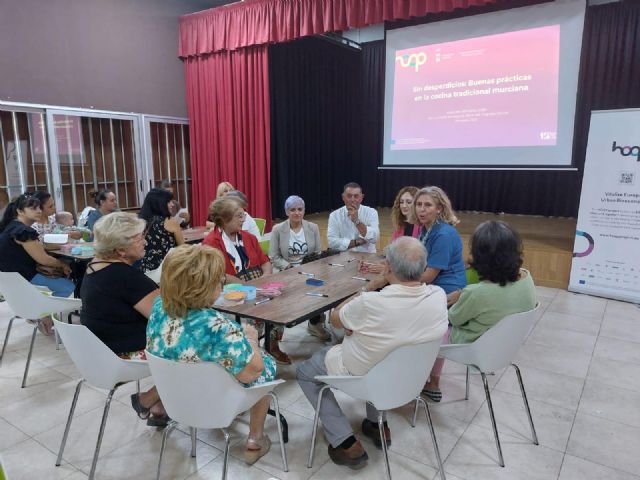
97	364
498	346
261	223
264	245
201	395
26	300
398	378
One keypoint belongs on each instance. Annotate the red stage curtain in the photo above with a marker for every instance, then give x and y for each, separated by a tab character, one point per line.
228	102
258	22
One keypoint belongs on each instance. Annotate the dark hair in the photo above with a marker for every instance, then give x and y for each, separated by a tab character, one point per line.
351	185
156	204
25	200
99	196
42	196
496	251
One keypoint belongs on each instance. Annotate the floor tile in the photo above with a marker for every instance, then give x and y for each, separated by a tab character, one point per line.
10	435
574	468
566	361
545	386
576	323
578	304
552	423
611	403
604	442
546	292
561	338
620	350
29	460
619	374
622	326
237	470
475	457
139	458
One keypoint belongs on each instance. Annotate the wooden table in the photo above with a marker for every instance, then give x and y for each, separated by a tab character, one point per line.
294	305
194	235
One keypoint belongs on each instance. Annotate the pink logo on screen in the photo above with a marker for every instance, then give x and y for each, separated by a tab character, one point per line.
415	60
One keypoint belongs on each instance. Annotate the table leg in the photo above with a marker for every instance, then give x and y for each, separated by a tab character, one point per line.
267	336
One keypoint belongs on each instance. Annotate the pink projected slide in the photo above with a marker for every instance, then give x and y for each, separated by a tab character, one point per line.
493	91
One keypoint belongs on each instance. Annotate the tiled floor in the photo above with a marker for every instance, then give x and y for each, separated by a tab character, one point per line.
581	367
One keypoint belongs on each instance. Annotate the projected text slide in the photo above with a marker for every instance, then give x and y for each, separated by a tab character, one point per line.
491	91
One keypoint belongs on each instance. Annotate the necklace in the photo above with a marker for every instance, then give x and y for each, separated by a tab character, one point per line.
424	235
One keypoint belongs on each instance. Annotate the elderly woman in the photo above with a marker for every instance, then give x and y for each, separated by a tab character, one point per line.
243	258
290	241
117	299
21	252
504	288
401	214
106	203
223	188
184	327
163	232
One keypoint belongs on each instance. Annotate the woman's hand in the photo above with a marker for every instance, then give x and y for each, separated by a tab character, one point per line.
453	297
251	333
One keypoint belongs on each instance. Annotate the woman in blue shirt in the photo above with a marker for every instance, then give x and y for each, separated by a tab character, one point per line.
445	267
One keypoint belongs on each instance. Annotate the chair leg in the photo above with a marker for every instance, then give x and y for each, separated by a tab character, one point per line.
225	462
26	367
433	436
415	414
103	424
316	418
493	418
6	339
138	387
383	440
283	451
69	419
466	391
193	441
526	404
167	430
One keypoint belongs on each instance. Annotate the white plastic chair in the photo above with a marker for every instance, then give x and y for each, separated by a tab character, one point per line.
495	349
26	301
393	382
99	367
155	274
205	395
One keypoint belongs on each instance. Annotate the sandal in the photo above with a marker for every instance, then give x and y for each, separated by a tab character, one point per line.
159	421
256	449
434	395
142	411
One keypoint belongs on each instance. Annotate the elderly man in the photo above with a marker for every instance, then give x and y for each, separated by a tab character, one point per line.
403	313
354	225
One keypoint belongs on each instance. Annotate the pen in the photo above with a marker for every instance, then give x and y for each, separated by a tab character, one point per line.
314	294
336	264
264	300
351	260
361	279
307	274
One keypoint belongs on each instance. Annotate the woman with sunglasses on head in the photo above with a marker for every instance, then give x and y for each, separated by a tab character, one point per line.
21	252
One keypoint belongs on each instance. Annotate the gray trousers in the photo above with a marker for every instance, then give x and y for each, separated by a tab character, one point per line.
336	425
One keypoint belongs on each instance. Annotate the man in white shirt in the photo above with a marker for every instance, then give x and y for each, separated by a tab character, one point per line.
354	225
405	312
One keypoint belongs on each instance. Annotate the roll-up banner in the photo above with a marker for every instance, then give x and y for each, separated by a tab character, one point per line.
606	253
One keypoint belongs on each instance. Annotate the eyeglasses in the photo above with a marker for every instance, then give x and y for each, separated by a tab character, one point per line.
239	216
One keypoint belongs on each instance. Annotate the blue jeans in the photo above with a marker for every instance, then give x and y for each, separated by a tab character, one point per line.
60	287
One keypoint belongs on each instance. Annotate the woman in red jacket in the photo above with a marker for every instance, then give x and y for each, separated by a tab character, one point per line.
244	259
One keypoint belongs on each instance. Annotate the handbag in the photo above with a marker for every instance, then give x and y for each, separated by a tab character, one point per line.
51	272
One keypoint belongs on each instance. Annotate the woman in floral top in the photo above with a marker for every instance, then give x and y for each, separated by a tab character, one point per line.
184	327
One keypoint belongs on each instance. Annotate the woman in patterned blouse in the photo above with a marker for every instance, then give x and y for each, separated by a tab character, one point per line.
184	327
163	232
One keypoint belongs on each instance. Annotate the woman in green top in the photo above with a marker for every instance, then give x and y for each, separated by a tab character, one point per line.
504	288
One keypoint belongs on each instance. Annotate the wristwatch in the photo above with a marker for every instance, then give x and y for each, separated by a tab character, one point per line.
357	222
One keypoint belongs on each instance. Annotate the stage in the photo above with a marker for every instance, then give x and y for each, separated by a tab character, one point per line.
548	242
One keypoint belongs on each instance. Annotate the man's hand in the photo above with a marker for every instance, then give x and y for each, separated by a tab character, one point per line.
353	214
348	332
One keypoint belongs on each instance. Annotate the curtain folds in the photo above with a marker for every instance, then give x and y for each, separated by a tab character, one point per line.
258	22
228	101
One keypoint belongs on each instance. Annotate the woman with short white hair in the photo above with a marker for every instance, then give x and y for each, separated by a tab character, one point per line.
117	299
